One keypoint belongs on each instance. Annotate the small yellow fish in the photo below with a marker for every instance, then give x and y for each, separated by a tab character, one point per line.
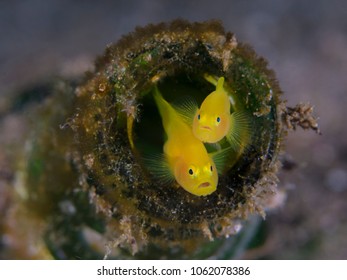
213	120
185	156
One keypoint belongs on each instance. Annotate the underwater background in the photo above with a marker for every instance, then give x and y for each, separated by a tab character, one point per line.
304	42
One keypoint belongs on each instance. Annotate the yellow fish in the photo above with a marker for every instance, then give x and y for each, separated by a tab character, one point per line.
185	157
213	120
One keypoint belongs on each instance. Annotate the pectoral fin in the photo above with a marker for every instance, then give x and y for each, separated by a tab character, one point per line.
186	108
158	167
240	132
224	159
212	147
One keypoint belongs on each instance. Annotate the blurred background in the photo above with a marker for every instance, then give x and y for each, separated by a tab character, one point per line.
305	42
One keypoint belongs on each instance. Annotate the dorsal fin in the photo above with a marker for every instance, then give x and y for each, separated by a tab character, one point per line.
220	84
211	79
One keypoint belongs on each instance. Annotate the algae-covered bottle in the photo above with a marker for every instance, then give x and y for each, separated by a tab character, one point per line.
86	179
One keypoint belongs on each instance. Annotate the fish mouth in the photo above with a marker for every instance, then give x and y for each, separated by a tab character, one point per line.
204	185
206	127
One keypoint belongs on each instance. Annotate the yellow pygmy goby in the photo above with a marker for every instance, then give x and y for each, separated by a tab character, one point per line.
213	120
185	156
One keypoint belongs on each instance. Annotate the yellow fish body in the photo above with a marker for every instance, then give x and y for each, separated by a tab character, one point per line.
213	120
186	156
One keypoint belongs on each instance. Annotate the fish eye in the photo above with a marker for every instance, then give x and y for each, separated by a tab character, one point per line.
211	168
218	119
190	171
199	117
